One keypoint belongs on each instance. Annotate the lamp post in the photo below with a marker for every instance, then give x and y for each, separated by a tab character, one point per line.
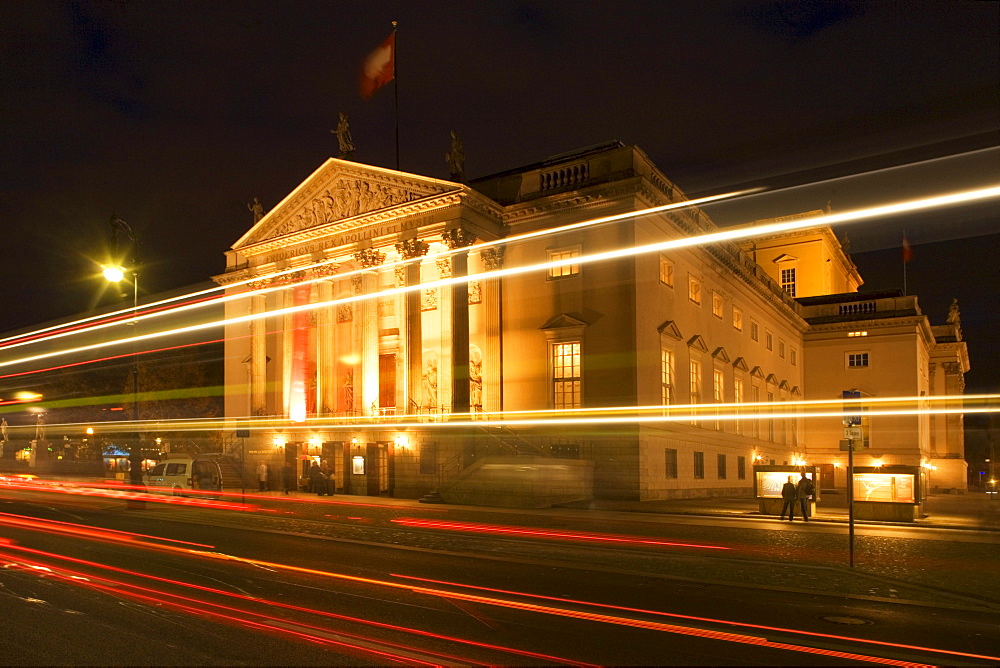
116	274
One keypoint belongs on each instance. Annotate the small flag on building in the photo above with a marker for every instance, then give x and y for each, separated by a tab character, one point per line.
379	67
907	251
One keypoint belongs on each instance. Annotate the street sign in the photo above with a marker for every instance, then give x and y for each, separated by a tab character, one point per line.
853	433
242	433
859	445
852	420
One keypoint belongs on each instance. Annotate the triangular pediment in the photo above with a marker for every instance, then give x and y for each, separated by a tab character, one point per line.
796	392
756	372
341	194
698	343
741	364
720	354
669	328
785	257
783	385
771	379
563	321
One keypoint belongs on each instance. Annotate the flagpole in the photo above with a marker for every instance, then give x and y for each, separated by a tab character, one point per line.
905	242
395	85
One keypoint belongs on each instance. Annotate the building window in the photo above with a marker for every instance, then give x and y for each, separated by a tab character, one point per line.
670	455
566	375
717	305
666	271
694	289
794	355
722	467
699	464
738	398
755	397
770	421
781	349
768	340
666	376
718	390
857	360
563	255
737	319
694	378
754	330
788	281
741	467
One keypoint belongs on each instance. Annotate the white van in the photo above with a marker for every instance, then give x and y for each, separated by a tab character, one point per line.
182	473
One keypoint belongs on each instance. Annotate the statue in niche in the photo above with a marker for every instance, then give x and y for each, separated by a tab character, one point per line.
475	379
344	139
430	380
456	159
257	209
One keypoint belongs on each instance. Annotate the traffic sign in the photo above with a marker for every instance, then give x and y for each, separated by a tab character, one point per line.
853	433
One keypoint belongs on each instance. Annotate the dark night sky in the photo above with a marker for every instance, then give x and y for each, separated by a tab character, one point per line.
176	114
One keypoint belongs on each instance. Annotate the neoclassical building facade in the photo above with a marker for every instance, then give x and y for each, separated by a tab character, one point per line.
493	341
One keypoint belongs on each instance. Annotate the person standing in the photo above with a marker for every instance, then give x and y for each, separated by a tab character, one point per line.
262	476
789	494
288	477
804	491
331	484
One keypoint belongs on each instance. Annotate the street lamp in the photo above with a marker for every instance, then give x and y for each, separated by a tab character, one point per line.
116	274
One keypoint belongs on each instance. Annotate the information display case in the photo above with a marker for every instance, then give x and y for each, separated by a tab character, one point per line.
887	493
768	481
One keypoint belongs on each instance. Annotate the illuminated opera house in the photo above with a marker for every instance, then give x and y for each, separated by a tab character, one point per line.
502	342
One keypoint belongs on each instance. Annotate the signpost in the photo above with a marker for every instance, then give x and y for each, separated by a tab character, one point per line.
243	434
852	432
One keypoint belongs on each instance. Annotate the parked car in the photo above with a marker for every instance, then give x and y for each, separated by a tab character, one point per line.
178	474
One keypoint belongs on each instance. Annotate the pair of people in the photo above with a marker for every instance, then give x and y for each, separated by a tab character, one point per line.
320	478
792	492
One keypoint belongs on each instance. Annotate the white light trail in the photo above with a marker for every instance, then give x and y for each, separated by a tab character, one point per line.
938	201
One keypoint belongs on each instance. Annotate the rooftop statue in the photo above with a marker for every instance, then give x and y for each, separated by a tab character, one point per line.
456	158
344	138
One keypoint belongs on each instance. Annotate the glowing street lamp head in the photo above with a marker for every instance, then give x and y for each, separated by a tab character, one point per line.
114	274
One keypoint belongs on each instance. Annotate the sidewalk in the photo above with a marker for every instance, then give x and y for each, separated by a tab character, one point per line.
974	510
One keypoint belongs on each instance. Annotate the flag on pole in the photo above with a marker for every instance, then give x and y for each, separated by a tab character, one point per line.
907	251
379	67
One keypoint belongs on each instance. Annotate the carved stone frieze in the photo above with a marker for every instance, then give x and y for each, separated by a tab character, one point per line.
475	293
345	312
493	257
369	257
358	282
400	276
428	299
444	267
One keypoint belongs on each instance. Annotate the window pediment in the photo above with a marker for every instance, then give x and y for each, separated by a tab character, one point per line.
698	343
771	379
669	328
741	364
720	354
756	372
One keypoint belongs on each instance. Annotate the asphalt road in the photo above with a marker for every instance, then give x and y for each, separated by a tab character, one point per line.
86	580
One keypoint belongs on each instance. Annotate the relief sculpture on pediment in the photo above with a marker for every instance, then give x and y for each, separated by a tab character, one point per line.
346	197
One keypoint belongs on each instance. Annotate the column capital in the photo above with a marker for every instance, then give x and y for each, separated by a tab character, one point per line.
458	238
369	258
493	257
412	248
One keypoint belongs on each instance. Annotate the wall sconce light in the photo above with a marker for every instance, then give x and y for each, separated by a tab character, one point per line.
877	463
401	442
278	441
799	462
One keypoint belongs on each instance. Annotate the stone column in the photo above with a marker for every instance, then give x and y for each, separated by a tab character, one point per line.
367	314
258	357
413	250
457	239
493	344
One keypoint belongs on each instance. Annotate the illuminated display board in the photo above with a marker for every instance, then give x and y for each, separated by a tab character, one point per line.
769	483
884	487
